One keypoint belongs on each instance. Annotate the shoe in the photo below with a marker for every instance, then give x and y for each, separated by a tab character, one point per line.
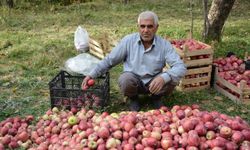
134	105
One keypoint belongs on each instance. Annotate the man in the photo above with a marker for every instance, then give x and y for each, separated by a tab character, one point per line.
144	55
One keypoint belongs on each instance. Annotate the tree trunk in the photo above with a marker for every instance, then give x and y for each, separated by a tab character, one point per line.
10	3
126	1
217	16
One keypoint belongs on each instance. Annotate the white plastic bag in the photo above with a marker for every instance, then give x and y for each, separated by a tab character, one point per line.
81	64
81	39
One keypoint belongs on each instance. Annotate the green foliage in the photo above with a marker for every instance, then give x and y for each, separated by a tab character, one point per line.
36	38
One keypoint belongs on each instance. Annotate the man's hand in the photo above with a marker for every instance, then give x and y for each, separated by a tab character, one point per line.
156	85
84	82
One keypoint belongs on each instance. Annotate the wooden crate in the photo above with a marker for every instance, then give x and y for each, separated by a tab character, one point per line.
240	95
196	57
196	78
100	49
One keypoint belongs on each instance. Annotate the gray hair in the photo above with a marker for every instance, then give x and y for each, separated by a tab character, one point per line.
148	15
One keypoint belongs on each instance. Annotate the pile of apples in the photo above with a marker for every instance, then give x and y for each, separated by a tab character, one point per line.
88	100
233	70
191	45
14	132
178	128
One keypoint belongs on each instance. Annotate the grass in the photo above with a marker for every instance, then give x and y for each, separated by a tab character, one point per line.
35	41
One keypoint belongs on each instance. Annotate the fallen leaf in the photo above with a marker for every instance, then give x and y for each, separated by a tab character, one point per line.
244	111
230	109
218	98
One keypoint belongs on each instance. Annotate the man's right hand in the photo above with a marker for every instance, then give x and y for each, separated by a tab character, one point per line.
85	81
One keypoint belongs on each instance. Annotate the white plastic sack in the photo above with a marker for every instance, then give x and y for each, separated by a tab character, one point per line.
81	39
81	64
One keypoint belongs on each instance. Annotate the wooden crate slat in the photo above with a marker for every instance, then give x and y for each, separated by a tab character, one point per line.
96	54
246	92
195	80
227	94
198	62
199	70
227	84
97	49
93	42
243	91
246	101
200	80
190	89
206	51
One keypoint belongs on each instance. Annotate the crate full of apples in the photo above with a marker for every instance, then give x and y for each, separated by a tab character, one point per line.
193	52
196	78
66	91
232	79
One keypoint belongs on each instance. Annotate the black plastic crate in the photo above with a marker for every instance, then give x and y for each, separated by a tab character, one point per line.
66	91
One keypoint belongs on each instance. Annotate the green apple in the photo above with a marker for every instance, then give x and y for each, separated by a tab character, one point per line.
46	117
72	120
55	110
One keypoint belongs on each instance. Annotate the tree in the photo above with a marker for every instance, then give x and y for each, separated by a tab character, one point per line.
216	18
10	3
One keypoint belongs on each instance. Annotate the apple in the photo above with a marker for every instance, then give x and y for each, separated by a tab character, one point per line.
6	140
210	135
92	144
128	146
4	130
151	142
72	120
146	133
188	125
200	129
166	143
84	142
237	137
13	144
139	146
23	136
12	131
91	82
156	135
128	126
55	110
133	132
246	134
225	131
132	140
193	138
111	143
117	134
74	110
231	146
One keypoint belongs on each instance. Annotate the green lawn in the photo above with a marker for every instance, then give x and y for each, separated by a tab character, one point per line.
36	41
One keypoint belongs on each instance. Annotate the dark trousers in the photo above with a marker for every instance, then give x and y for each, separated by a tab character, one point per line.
131	85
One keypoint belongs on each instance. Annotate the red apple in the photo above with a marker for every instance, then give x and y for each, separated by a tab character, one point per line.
225	131
103	132
166	143
91	82
237	137
23	136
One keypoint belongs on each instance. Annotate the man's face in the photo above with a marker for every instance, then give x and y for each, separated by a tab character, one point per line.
147	29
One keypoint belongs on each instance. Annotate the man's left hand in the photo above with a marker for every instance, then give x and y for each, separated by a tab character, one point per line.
156	85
